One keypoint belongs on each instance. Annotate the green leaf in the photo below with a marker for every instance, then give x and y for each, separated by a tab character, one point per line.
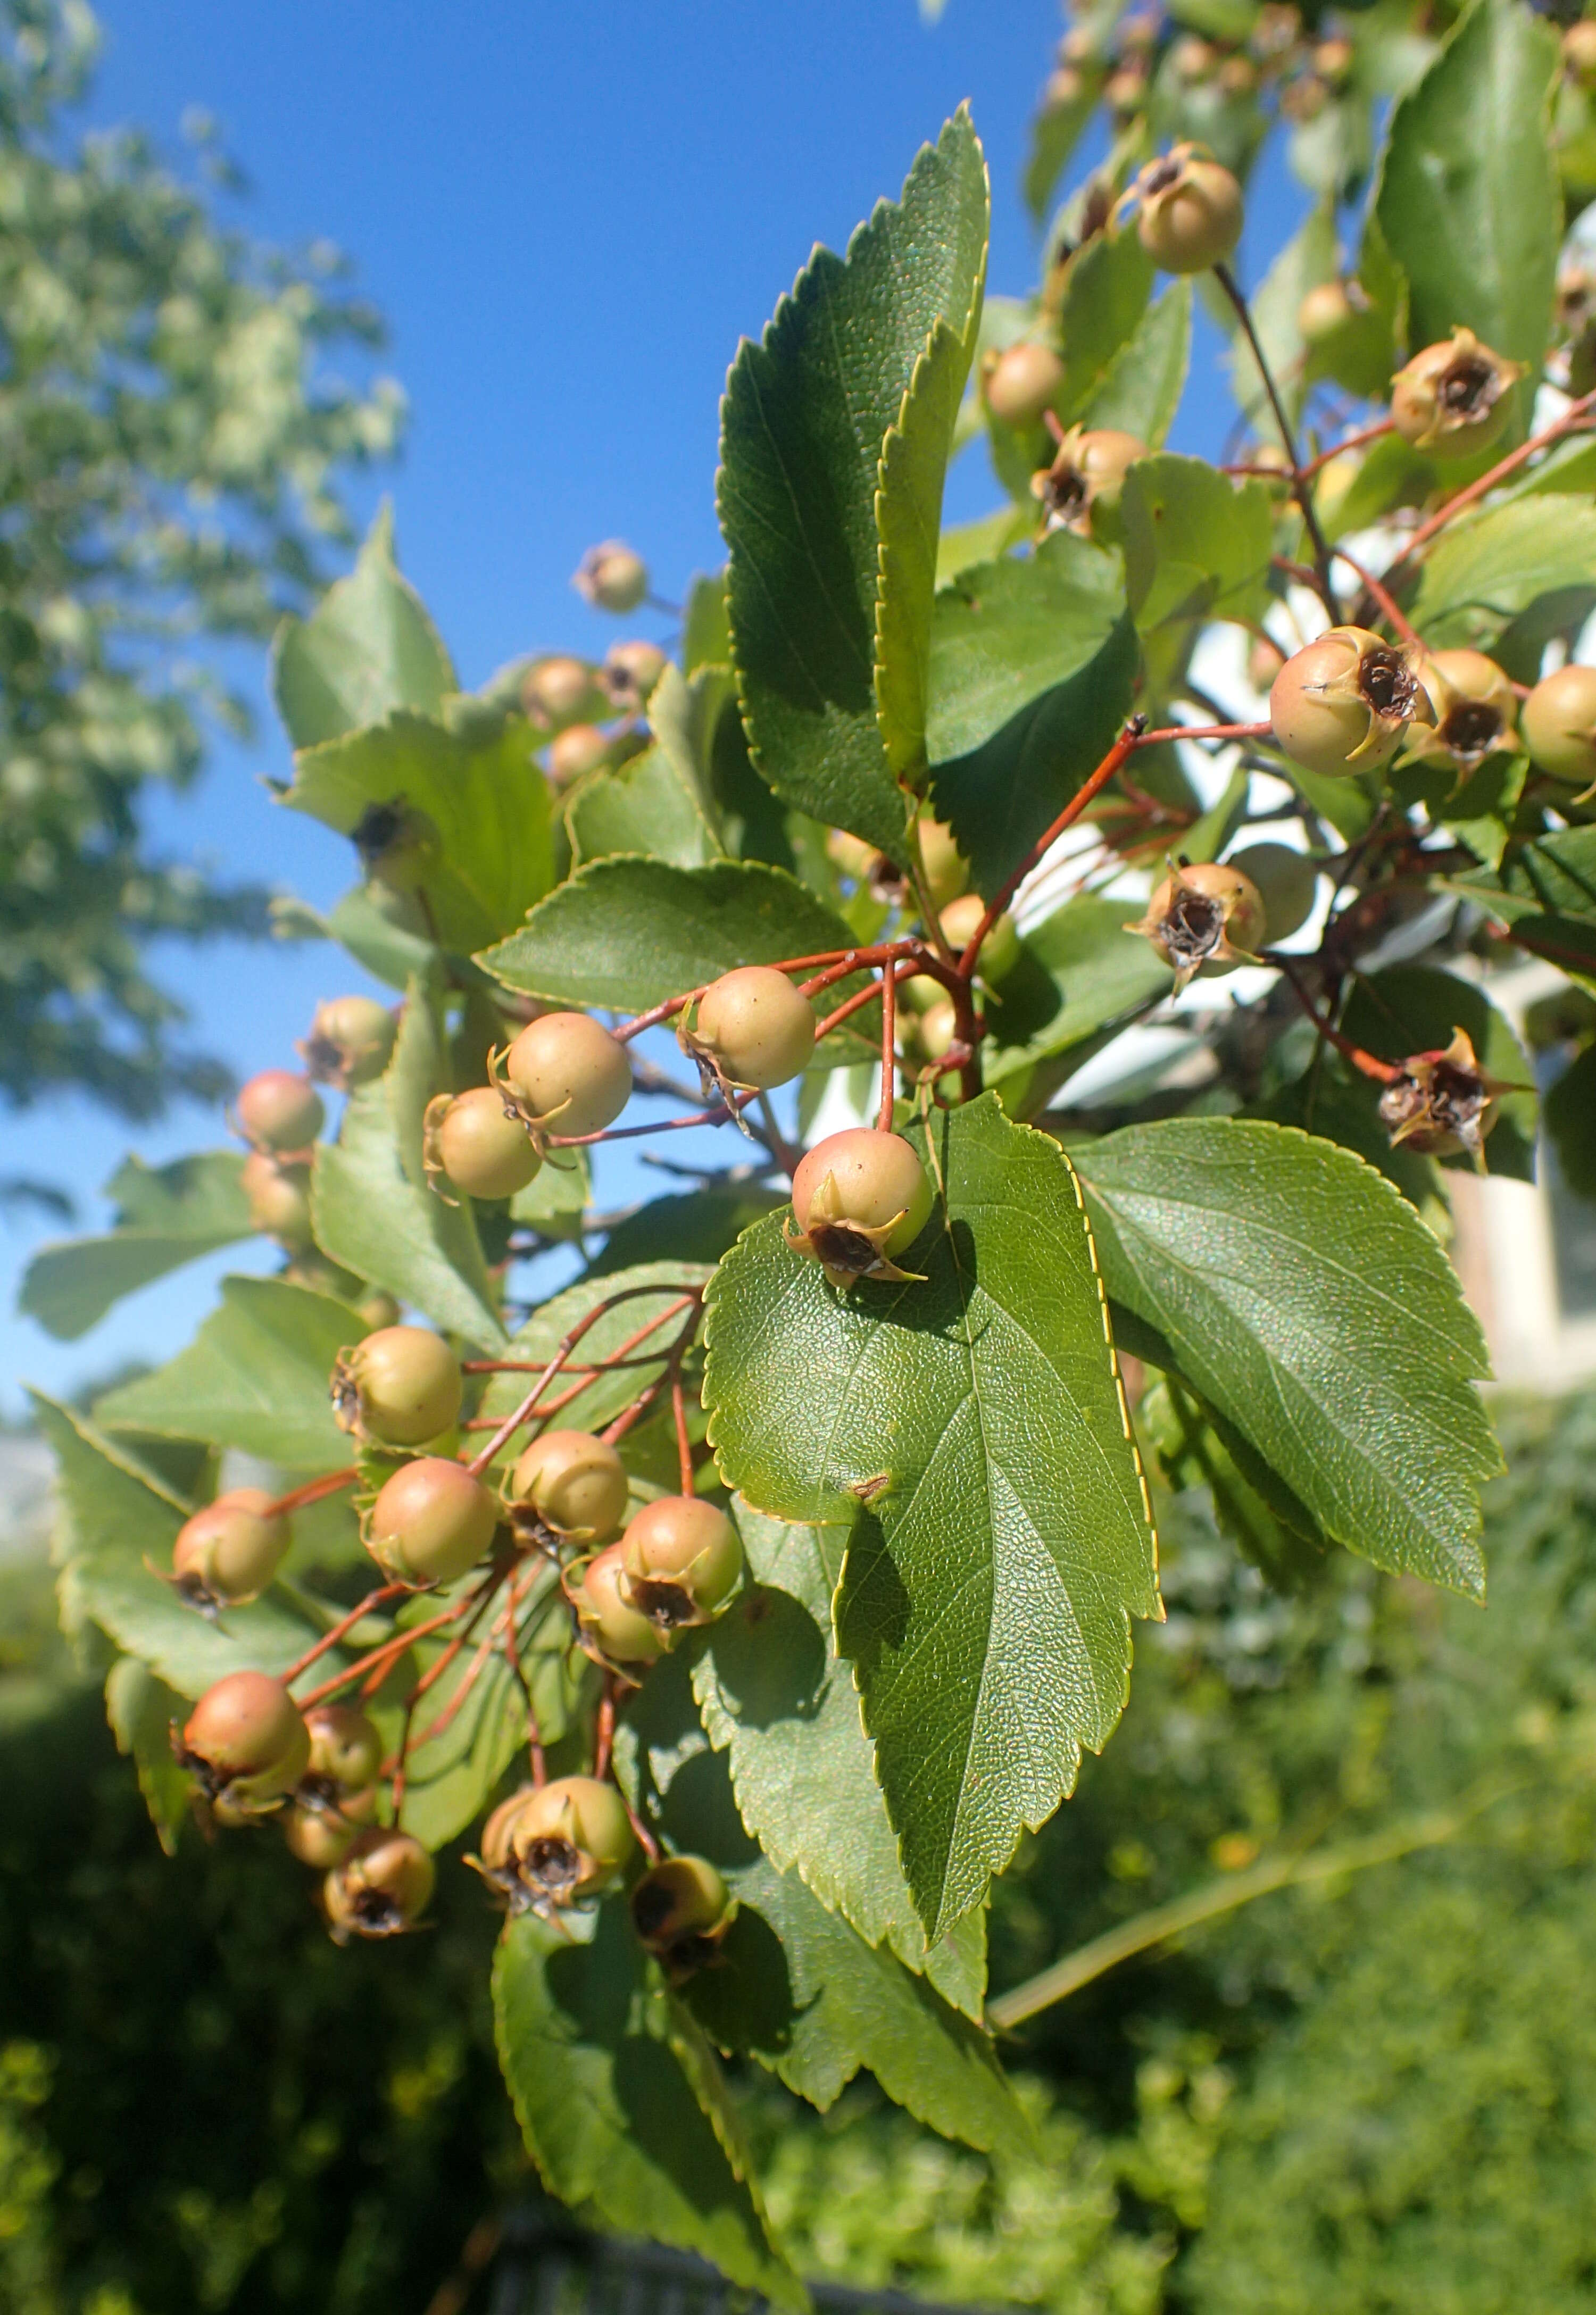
706	626
368	648
909	516
255	1377
1001	1550
1310	258
373	1215
661	802
1056	130
1140	390
1197	545
1192	1453
1106	287
696	1226
481	789
1308	1303
805	418
620	2101
1005	631
649	1289
1413	1009
169	1215
1080	979
451	1774
629	933
985	540
1570	1114
141	1710
556	1199
1002	796
1468	196
1555	876
1487	567
776	1696
384	931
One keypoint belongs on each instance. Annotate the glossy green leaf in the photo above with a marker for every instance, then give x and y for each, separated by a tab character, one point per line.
1308	1303
1056	130
640	1295
776	1696
255	1377
141	1710
368	648
1468	196
1002	1544
660	804
480	788
1002	796
1554	875
706	626
620	2100
1106	287
168	1215
914	462
373	1215
1487	567
628	932
1570	1114
1414	1008
1004	633
1307	259
985	540
1081	976
1140	390
1192	1453
384	931
452	1771
805	415
1197	545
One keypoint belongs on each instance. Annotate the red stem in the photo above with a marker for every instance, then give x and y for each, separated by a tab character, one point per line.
1382	1072
684	1445
368	1605
603	1725
889	1084
1380	594
313	1491
508	1429
1567	424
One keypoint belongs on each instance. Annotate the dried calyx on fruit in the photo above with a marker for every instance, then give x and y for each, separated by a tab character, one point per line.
476	1142
630	673
611	576
568	1488
1443	1102
608	1628
1452	397
752	1031
681	1909
228	1553
557	1844
1203	917
1343	703
1086	477
399	1388
277	1190
1189	210
566	1074
381	1888
1020	382
859	1198
399	845
560	690
1559	725
681	1561
350	1041
1474	705
279	1112
247	1743
430	1522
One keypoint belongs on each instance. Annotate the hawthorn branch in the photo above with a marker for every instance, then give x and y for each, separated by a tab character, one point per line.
1288	433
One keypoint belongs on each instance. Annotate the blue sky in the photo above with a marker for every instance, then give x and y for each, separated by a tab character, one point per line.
569	216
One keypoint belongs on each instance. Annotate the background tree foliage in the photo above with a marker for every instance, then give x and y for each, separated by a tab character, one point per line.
171	443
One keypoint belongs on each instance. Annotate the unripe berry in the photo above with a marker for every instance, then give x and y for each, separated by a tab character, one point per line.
1442	1102
575	1485
346	1747
1064	86
479	1142
1285	880
350	1041
852	854
1475	704
937	1029
1238	76
1324	312
279	1199
681	1909
859	1197
1086	476
947	872
381	1888
1559	724
1190	211
1195	60
752	1028
247	1740
399	845
399	1386
230	1551
318	1836
631	671
1020	382
1124	89
1204	916
612	577
378	1308
1579	52
560	690
567	1073
1343	703
611	1629
1452	397
1000	950
683	1560
581	749
278	1111
553	1845
430	1522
